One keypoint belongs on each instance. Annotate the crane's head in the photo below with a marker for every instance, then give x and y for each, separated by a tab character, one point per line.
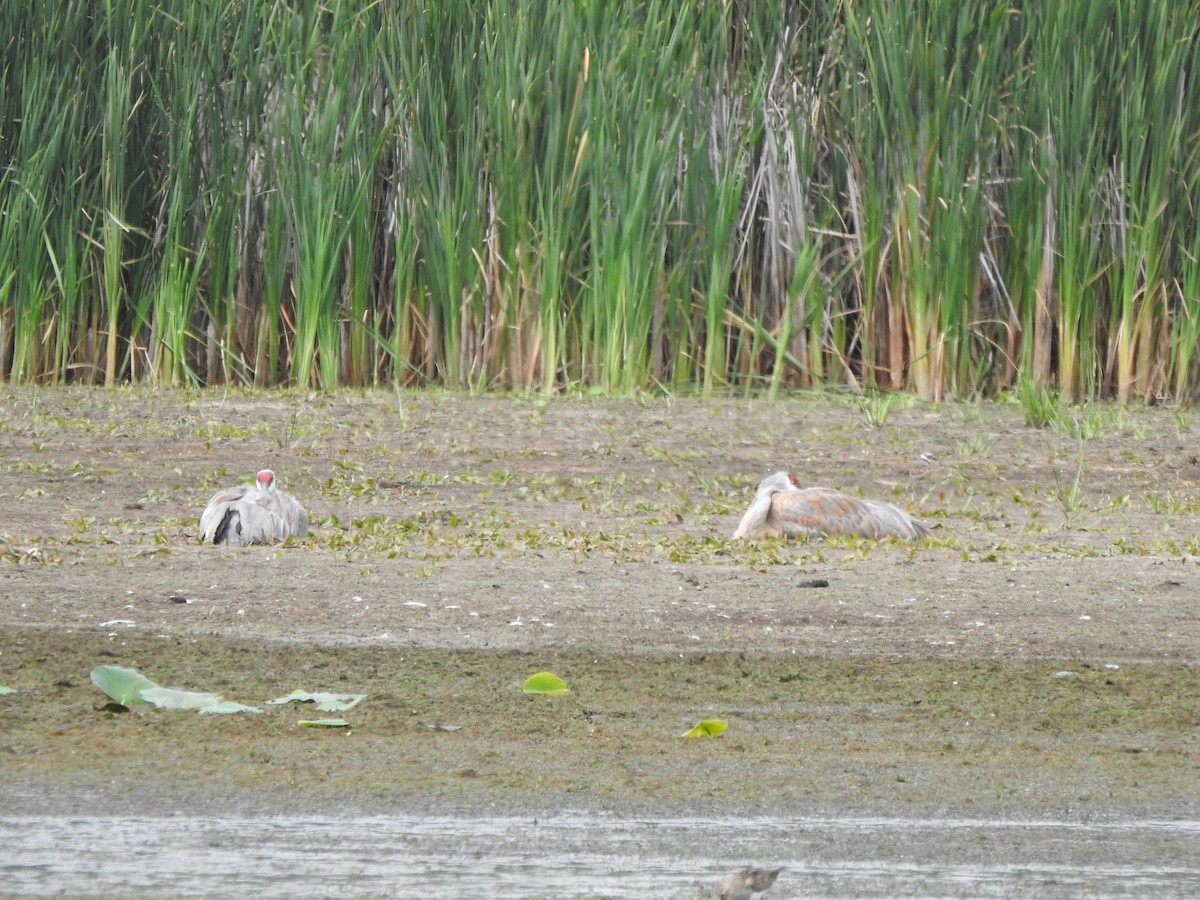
266	480
779	482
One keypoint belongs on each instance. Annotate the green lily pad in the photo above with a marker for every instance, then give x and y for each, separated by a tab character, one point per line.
169	698
123	685
325	702
228	706
128	687
324	723
545	683
706	728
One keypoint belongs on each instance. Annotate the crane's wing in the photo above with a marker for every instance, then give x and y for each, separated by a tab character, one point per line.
296	518
256	523
287	515
813	511
214	519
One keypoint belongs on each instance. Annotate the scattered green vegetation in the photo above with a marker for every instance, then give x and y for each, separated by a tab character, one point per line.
1088	421
649	490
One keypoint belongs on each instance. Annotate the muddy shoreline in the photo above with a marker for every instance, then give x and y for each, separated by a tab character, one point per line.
1036	657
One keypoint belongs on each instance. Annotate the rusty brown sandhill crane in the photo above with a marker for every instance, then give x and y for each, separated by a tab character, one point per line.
256	513
782	507
749	883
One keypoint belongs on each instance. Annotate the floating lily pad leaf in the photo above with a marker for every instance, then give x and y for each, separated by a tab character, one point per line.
228	706
121	684
324	723
706	728
6	690
169	698
325	702
545	683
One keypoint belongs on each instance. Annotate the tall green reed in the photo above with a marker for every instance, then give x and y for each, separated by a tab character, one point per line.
1151	133
550	195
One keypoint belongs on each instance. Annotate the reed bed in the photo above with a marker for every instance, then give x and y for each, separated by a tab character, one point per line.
946	199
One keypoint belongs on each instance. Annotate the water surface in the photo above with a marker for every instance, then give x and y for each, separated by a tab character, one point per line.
578	856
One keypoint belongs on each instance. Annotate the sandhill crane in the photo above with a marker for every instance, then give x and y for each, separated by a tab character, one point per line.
252	514
782	507
749	883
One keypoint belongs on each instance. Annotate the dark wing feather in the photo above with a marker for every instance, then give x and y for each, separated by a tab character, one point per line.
229	521
215	520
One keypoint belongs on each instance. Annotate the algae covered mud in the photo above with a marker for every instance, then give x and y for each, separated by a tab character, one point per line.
1032	661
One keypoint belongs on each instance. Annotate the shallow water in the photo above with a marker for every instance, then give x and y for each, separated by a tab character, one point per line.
575	856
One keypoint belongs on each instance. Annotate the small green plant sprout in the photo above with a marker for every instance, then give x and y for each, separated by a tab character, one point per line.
705	728
1163	503
1183	421
545	683
974	445
323	723
4	689
323	702
128	687
80	524
288	432
1041	405
1069	496
876	406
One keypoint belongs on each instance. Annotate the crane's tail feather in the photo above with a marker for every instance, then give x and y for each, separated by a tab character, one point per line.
891	520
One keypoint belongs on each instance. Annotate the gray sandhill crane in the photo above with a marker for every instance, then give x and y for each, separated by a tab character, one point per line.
782	507
256	513
749	883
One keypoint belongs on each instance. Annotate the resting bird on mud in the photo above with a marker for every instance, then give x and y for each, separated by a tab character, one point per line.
749	883
782	507
252	514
